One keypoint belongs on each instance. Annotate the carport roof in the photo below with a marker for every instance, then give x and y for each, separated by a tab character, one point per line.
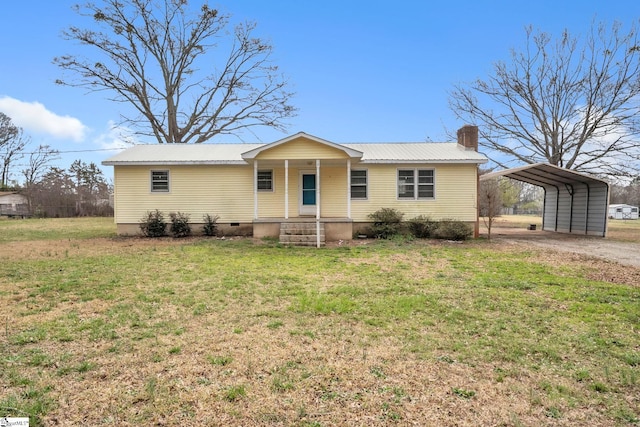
544	174
573	202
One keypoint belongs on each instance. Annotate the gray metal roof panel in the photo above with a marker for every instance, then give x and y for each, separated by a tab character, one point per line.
544	174
416	152
181	154
170	154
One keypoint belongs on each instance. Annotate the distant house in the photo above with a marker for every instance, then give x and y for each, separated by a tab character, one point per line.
269	189
13	203
622	211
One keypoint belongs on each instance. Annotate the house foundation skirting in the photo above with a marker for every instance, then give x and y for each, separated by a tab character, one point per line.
335	228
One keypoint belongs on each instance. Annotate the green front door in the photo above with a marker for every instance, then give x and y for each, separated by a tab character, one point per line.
307	193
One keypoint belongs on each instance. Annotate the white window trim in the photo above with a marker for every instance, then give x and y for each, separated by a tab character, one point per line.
415	185
273	181
366	185
151	182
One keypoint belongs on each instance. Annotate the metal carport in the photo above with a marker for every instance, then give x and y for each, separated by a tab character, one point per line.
573	202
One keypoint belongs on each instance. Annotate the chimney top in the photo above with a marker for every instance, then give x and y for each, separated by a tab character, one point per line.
468	137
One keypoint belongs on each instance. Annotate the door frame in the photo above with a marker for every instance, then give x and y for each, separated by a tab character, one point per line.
307	210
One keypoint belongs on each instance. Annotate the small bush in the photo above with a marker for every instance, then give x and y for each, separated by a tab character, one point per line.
452	229
153	224
210	227
180	226
422	227
387	222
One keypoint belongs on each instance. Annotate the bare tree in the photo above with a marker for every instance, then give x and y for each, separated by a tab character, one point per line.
12	144
626	193
570	102
38	162
490	202
187	78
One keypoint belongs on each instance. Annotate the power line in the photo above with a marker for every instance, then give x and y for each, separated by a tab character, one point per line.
71	151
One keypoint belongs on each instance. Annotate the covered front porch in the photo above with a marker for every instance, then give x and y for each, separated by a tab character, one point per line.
302	180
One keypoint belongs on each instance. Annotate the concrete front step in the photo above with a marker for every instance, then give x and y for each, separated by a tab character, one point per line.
301	233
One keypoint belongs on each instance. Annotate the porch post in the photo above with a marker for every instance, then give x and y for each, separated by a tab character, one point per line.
349	188
318	189
317	203
286	189
255	189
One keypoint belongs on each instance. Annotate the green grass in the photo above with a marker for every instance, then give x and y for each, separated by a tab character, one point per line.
568	341
20	230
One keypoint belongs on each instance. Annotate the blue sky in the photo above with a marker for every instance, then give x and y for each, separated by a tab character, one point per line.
363	71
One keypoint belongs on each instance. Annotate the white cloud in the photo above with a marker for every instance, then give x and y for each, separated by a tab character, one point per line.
34	117
116	138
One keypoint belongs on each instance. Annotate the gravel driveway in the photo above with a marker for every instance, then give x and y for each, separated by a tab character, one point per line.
625	253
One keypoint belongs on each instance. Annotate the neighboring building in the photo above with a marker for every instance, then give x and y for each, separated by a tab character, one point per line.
622	211
13	203
255	188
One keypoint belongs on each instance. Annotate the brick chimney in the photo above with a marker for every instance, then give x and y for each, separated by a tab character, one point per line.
468	137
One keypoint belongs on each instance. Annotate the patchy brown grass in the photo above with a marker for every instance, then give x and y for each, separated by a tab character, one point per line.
111	331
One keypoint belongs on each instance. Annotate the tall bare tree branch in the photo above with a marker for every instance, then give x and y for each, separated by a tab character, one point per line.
572	102
187	78
12	145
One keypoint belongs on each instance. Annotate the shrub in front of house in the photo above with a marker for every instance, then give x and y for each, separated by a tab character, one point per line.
422	227
153	224
210	227
180	226
387	222
452	229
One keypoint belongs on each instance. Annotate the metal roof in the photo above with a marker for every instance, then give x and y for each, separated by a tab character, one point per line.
399	152
180	154
209	154
544	174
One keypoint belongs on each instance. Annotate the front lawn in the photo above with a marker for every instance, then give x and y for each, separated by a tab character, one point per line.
99	330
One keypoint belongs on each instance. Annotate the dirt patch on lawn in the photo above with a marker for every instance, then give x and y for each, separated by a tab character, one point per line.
625	253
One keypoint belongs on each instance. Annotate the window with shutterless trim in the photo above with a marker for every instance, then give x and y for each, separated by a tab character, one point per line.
359	184
414	184
265	180
160	181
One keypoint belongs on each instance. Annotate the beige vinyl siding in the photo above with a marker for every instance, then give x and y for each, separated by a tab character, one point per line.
333	196
300	150
226	191
455	193
333	192
271	203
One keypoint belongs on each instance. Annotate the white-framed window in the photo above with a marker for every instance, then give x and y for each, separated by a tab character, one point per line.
414	184
160	181
359	183
265	180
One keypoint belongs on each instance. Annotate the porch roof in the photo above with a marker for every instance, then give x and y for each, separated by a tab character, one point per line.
350	152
